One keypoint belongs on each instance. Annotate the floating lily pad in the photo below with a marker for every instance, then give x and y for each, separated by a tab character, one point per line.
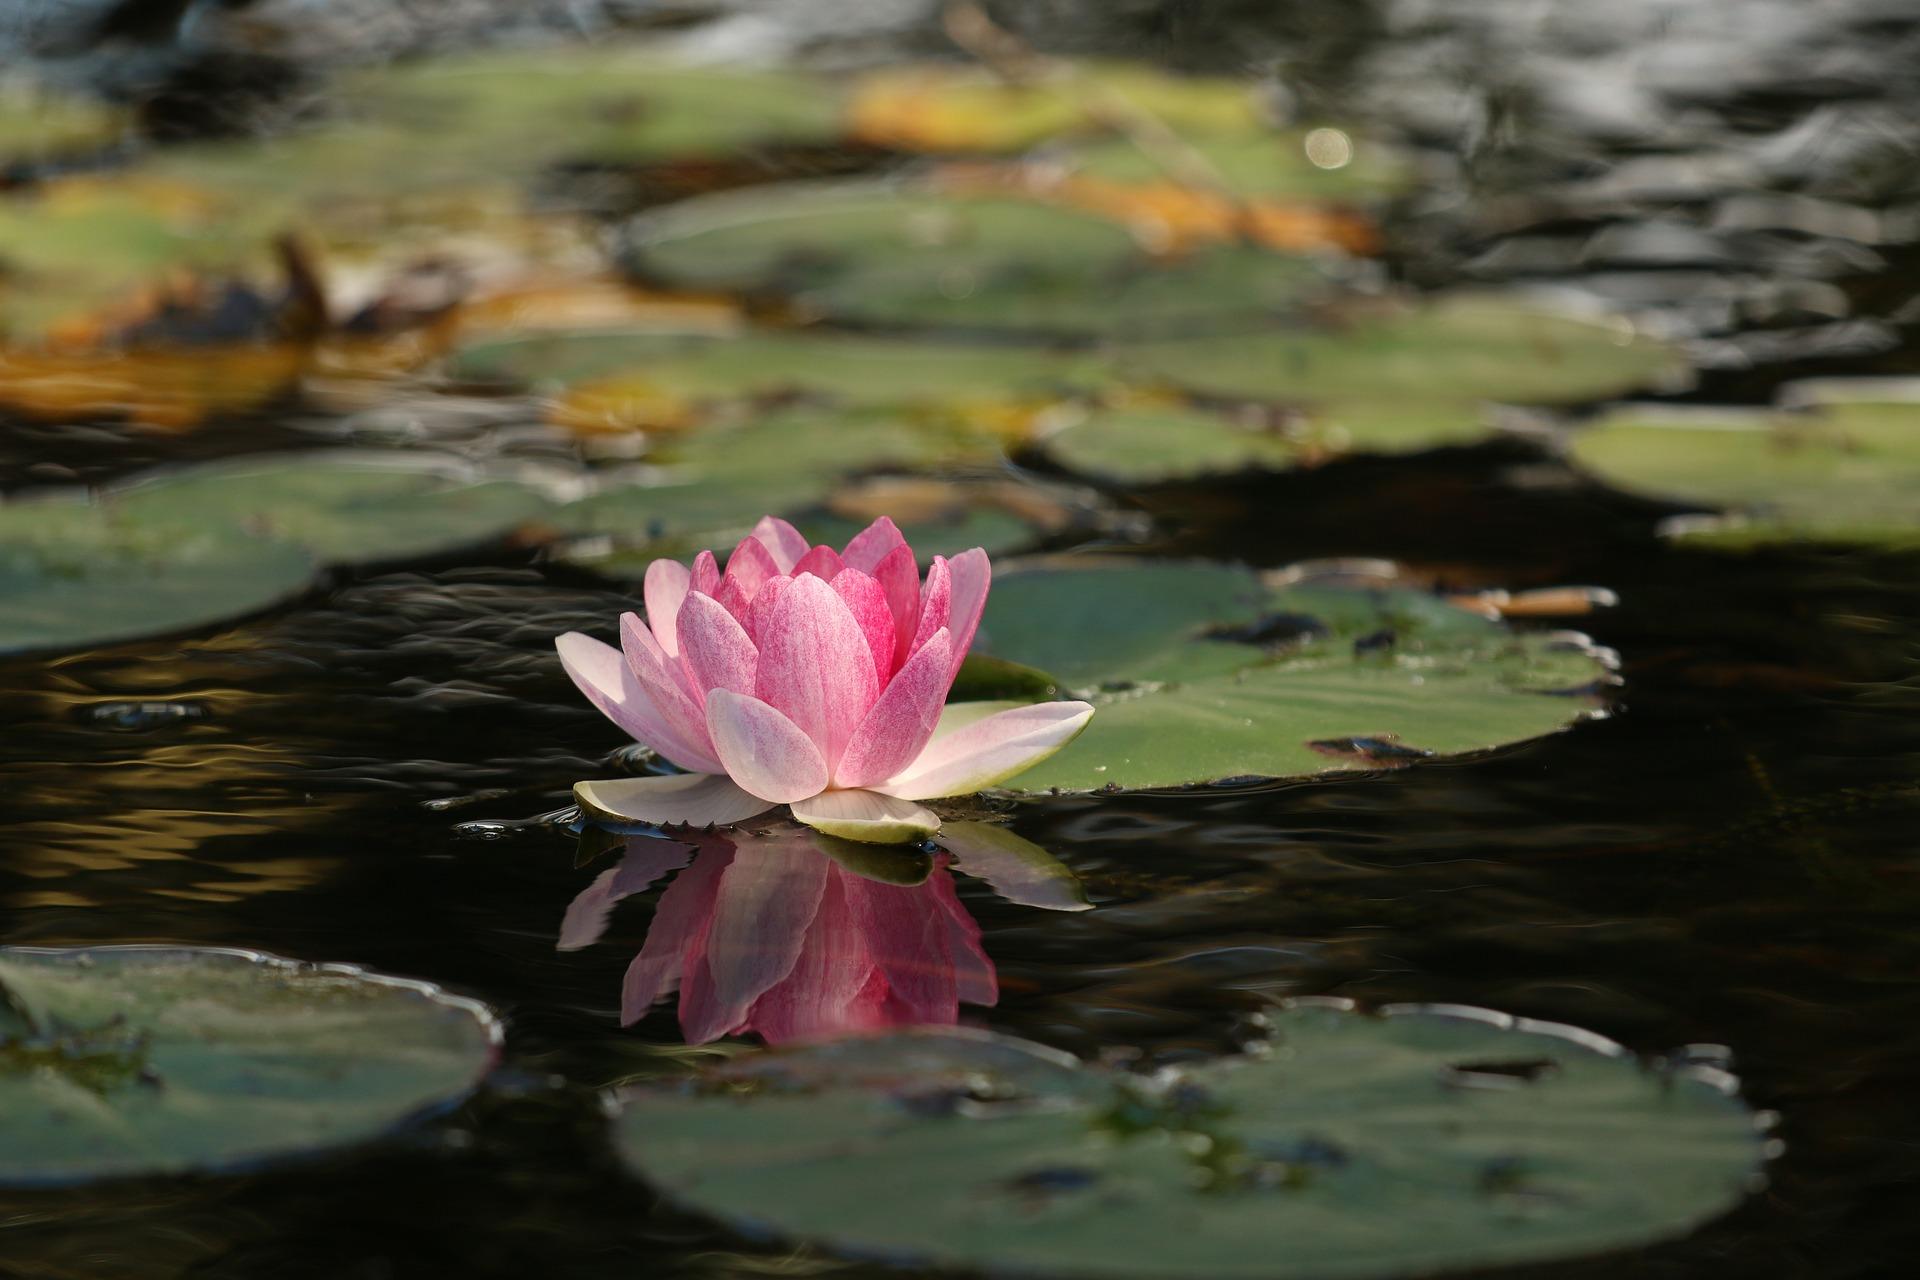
1421	1140
1199	674
39	124
1847	471
850	369
1147	443
125	1061
889	255
1403	379
344	507
74	574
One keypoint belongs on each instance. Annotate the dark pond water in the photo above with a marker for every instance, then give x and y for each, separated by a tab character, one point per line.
1728	859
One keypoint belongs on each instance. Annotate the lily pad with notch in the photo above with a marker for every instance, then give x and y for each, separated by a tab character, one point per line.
1421	1139
133	1061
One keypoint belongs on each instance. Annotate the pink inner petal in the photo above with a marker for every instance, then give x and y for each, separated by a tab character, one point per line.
972	574
763	606
936	601
899	576
705	575
666	587
902	720
785	542
749	568
764	752
714	648
815	666
868	602
822	562
867	548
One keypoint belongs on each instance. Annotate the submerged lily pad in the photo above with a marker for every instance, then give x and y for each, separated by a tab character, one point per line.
889	255
1421	1140
1149	442
1845	470
75	574
125	1061
344	507
1200	673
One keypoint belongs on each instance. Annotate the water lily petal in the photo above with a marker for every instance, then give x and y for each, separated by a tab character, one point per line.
768	897
902	720
678	933
786	543
666	587
671	692
705	576
822	562
868	816
898	574
815	666
647	860
610	683
715	649
749	568
867	548
867	601
763	750
936	601
763	605
690	799
990	751
972	574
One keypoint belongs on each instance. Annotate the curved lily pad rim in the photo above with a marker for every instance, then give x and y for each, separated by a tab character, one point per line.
1721	1083
491	1025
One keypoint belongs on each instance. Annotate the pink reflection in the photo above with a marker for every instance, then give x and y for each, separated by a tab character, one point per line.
767	933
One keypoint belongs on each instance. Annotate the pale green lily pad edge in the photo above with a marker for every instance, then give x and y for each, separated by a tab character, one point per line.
488	1041
1065	1089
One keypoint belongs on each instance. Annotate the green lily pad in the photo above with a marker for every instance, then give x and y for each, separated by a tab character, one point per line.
888	255
1424	1139
1146	444
712	484
850	369
1845	471
129	1061
344	507
38	123
1199	674
1413	379
74	574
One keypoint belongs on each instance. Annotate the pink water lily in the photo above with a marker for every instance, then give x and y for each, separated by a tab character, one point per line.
811	678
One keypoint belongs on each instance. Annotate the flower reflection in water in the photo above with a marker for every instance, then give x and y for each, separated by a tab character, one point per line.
791	934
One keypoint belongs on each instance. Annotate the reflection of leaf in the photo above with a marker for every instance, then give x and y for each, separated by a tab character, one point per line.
243	1059
1181	698
1844	471
1357	1146
1016	868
